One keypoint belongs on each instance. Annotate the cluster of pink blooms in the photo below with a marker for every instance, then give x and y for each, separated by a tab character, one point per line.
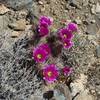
44	24
51	72
66	35
42	52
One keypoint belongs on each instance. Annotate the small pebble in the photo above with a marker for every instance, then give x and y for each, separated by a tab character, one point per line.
93	9
93	21
78	21
98	51
98	8
40	2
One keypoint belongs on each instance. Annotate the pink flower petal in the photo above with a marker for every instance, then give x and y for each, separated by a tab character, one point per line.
43	31
46	48
72	27
48	20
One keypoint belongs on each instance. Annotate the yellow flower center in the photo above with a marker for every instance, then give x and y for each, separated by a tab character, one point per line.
65	36
65	44
39	56
49	73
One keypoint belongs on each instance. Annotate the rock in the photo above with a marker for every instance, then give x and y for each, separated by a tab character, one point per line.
40	2
58	96
98	51
93	21
93	9
92	1
85	2
84	96
15	34
78	21
98	15
62	92
48	94
74	3
19	4
91	29
19	25
79	92
98	8
97	19
3	9
78	85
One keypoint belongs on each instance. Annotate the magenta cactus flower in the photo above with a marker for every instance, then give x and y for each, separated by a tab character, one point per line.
47	20
39	55
44	24
65	34
67	44
43	29
72	27
46	47
50	73
67	70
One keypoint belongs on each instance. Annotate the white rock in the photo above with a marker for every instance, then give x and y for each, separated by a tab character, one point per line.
58	96
78	85
40	2
84	96
78	21
3	9
98	8
93	9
